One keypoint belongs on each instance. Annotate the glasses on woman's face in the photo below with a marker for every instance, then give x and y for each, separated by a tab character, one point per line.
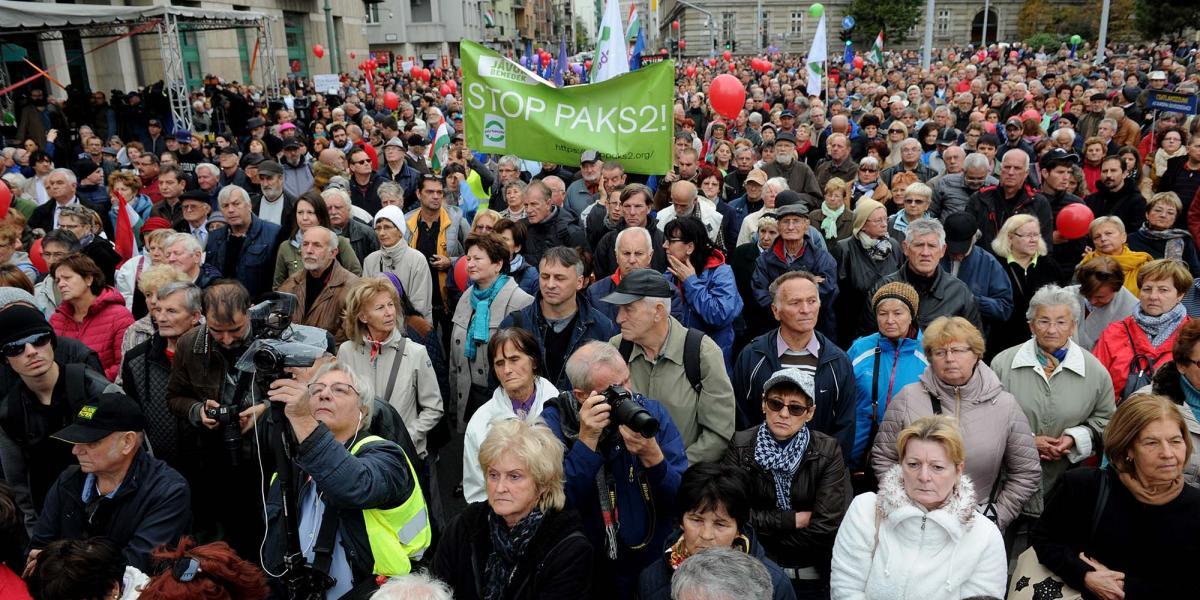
338	389
867	170
951	352
796	410
1026	236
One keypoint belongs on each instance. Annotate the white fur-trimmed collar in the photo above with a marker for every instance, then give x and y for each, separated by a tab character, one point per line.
892	497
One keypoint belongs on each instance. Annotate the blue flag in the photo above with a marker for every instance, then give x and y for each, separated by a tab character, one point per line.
849	57
562	62
635	61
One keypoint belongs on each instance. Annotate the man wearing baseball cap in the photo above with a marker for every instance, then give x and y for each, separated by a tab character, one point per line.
704	412
794	251
117	490
1055	168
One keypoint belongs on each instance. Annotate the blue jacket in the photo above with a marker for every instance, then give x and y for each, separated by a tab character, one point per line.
590	325
834	384
770	265
655	581
603	287
636	514
988	281
898	367
709	301
742	207
256	266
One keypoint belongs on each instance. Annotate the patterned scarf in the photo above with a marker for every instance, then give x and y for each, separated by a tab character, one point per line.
481	317
508	546
782	461
829	223
877	249
1159	328
1049	362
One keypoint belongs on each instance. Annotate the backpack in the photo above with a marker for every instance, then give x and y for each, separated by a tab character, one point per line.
691	356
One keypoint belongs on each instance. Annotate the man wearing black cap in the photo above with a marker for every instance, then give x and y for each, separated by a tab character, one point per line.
231	174
793	251
396	169
155	142
189	155
274	204
257	128
1055	169
799	176
118	491
416	152
979	269
297	172
90	189
42	397
702	410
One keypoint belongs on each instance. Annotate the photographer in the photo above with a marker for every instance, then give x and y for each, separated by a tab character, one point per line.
606	459
361	510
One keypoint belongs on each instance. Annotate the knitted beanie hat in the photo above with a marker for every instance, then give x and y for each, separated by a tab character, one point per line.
897	291
862	212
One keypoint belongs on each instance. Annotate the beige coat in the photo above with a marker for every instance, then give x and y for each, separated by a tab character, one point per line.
411	268
510	299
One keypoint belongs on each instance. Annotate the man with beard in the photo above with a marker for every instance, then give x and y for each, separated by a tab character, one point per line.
321	286
1056	166
1116	197
799	176
586	190
951	192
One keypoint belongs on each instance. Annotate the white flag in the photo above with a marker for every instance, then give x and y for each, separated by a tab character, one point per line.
610	58
816	60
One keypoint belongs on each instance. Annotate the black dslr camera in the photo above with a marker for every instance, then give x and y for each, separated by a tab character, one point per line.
626	411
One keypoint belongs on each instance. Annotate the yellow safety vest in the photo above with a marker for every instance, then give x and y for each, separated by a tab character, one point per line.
475	182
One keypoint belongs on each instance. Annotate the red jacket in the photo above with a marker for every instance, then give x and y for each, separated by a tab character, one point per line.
102	329
1114	352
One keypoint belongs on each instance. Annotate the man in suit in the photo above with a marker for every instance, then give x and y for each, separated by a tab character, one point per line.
60	186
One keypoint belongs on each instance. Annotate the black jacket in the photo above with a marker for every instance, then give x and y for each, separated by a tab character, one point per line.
1126	203
145	372
948	297
366	196
991	209
821	485
1068	253
362	238
559	229
655	581
557	564
604	253
151	507
287	224
857	273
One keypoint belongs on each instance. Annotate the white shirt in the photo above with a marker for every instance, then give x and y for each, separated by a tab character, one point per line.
271	210
58	208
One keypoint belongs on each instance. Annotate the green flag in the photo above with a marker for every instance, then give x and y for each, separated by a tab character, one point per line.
510	110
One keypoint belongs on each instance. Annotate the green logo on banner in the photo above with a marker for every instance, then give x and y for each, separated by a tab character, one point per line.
493	131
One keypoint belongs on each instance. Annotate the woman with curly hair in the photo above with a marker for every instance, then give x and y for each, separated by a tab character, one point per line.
212	571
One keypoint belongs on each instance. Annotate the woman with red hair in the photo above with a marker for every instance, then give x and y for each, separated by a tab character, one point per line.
212	571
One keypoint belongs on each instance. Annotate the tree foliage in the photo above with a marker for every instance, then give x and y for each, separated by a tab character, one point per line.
1157	18
895	17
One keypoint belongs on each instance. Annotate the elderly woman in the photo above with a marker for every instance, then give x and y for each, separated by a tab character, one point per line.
514	195
867	183
395	259
310	212
915	197
920	537
1132	348
143	329
1179	380
490	298
90	312
514	357
863	259
799	487
1099	522
706	295
521	544
1022	250
834	218
364	478
1102	297
1159	237
1109	239
958	383
770	193
884	363
377	349
1064	391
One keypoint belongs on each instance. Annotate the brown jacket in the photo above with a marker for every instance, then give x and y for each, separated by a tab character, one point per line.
326	310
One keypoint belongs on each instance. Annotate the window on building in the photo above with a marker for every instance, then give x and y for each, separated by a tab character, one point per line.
421	11
728	25
372	12
797	23
943	23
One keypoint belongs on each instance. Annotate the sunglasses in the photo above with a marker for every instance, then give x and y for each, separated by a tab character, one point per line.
796	410
17	348
185	569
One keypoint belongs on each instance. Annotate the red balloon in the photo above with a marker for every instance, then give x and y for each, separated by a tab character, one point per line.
372	65
691	71
675	24
318	51
858	62
766	106
35	257
682	44
727	95
415	72
732	67
1013	54
727	55
5	199
1074	220
437	72
754	63
460	274
391	101
587	65
353	55
444	90
426	75
545	60
453	85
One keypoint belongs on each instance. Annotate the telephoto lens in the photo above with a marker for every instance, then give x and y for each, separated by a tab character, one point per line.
626	411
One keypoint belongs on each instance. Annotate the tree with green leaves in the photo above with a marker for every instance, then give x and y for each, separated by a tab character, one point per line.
895	17
1156	19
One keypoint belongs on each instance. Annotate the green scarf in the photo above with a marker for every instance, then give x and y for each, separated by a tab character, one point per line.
481	315
829	224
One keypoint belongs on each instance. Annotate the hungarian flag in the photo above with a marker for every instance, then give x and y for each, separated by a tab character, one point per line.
635	25
877	48
124	228
439	150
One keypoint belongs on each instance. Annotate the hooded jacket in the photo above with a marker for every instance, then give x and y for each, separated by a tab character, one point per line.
882	368
994	429
499	407
770	265
709	301
833	382
891	548
102	328
655	581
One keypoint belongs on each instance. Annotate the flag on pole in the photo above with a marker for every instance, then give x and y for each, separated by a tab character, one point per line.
848	57
877	48
635	62
635	25
439	150
124	228
561	68
489	18
610	59
816	59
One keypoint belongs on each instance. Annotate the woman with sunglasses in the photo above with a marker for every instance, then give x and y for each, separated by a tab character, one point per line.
799	487
867	183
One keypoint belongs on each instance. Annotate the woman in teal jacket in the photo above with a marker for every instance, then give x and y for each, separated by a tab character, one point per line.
884	362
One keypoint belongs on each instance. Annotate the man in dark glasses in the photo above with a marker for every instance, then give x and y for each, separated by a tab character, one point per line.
40	399
118	490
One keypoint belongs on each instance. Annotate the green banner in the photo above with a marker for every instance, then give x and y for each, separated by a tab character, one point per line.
510	110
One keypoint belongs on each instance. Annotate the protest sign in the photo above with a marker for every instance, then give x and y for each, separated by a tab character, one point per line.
327	83
510	110
1171	101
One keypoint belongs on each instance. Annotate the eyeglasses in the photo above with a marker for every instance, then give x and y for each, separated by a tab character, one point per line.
675	240
1026	236
796	410
1047	324
915	201
17	348
338	389
185	569
951	352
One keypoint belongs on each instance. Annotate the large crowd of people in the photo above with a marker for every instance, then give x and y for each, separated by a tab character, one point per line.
844	348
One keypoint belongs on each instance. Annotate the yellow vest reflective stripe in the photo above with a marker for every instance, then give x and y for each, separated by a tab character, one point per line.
397	535
475	182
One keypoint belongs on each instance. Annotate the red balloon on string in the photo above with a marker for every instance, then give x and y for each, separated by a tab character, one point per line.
353	55
444	90
391	101
1074	220
727	55
858	62
318	51
426	75
727	95
691	71
682	44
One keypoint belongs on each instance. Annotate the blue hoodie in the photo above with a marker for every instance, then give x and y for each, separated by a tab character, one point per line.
709	301
898	367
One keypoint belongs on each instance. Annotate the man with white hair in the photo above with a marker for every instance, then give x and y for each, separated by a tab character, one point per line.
952	191
992	206
414	586
245	250
910	161
558	190
208	179
183	251
61	186
320	288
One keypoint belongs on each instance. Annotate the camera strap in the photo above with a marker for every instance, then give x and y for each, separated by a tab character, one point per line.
326	538
391	384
